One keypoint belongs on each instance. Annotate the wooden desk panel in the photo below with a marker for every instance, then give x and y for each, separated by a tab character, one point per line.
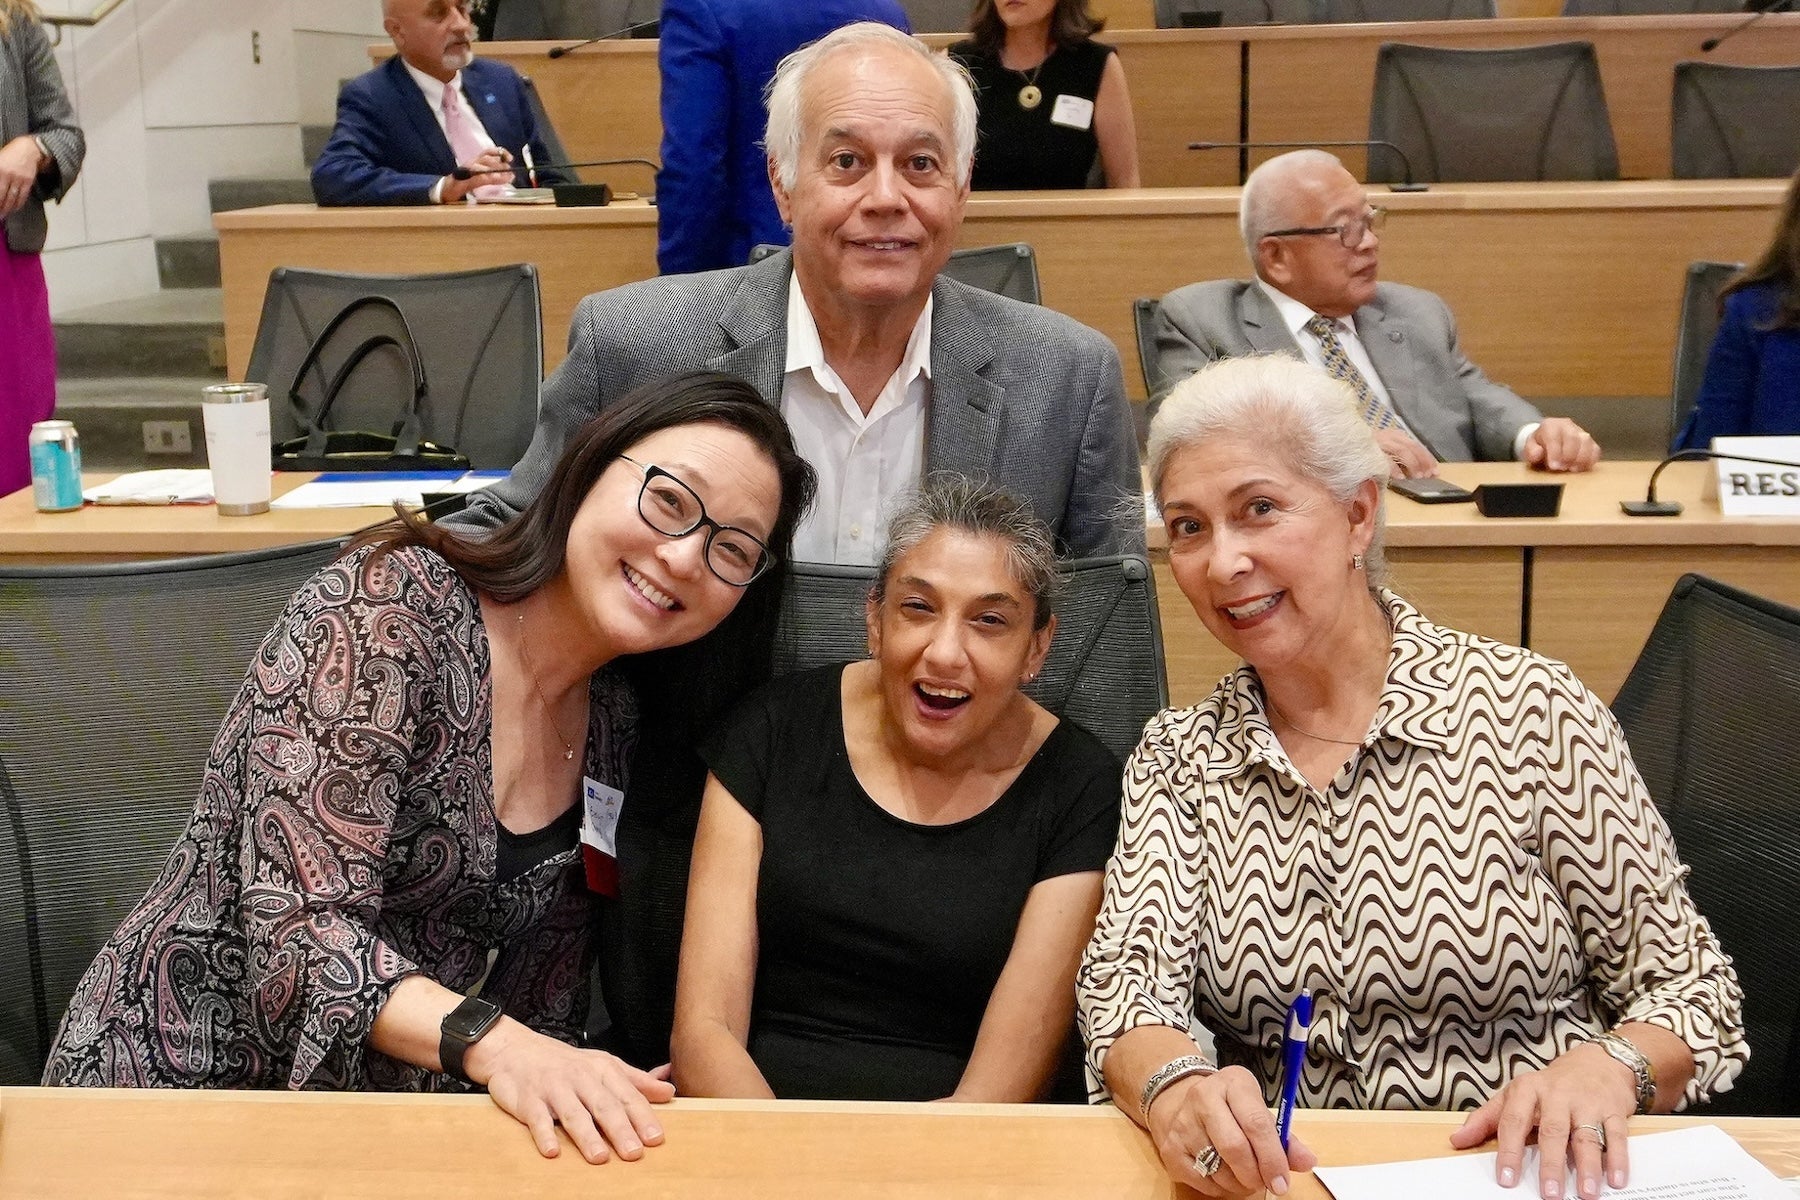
1316	81
1558	289
57	1143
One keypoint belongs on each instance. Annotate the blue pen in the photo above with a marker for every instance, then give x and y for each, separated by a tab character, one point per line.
1293	1058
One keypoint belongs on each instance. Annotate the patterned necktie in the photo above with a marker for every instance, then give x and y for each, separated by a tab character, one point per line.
1375	411
465	143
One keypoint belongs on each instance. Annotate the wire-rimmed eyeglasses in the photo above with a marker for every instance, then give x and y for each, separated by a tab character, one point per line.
671	507
1350	232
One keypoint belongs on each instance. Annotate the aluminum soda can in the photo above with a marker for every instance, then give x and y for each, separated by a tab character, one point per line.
55	466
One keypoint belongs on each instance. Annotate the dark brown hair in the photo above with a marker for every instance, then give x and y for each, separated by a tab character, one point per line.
1071	23
1780	263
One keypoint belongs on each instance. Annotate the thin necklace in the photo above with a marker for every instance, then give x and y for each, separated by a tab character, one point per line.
1317	737
531	670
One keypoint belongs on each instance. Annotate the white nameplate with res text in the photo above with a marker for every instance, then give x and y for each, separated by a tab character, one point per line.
1748	489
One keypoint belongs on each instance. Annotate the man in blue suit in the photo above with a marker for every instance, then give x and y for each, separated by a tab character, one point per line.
397	124
713	201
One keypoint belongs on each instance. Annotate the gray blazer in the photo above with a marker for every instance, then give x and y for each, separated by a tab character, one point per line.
1456	411
32	101
1022	396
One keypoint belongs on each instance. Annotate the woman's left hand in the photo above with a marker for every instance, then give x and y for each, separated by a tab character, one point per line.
1578	1104
19	163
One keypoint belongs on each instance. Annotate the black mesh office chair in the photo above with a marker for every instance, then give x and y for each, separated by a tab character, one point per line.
1521	113
480	340
1646	8
1006	270
1105	669
1694	336
1350	11
1207	14
1710	710
116	678
1734	122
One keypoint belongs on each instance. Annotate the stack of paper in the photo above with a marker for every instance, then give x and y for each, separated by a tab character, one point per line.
179	486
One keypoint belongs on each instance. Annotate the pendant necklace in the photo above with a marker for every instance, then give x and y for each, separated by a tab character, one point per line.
1030	96
531	670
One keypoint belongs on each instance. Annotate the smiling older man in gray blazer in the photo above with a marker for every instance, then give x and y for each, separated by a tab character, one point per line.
1312	237
884	369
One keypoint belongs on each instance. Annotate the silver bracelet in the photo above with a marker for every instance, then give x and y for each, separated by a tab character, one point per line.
1181	1068
1641	1068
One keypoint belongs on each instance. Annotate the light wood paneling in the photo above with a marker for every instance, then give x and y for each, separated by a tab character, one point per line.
68	1143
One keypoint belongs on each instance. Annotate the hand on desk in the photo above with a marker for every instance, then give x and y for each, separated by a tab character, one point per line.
601	1102
1224	1111
492	166
1559	444
1410	458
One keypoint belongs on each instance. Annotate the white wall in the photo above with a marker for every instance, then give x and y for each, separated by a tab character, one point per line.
171	94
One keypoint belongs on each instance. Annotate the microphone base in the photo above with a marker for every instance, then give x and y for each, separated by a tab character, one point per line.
1650	508
582	195
1409	187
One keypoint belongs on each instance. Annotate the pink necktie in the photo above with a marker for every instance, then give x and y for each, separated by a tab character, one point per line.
465	143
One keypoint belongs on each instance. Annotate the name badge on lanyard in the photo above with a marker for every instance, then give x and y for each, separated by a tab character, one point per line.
600	808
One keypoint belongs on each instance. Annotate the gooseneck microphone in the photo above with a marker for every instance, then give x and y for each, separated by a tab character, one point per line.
1763	9
1650	506
1406	184
470	173
647	28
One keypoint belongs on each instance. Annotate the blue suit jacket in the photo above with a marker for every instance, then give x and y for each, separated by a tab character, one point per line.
387	147
713	200
1752	383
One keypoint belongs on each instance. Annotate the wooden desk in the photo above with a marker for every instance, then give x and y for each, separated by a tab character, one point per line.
1559	289
1292	82
58	1143
1584	587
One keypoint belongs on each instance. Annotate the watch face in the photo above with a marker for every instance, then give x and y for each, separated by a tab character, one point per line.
470	1019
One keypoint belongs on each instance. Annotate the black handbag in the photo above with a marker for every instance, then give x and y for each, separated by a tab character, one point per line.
321	448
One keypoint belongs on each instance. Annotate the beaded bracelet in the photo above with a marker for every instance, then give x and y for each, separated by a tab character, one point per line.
1181	1068
1641	1068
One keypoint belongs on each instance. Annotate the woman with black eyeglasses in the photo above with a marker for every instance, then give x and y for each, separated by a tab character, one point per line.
382	886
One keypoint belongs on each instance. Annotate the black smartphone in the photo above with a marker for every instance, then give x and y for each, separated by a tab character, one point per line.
1429	489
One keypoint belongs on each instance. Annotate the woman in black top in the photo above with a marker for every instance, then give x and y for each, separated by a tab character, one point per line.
1050	97
899	859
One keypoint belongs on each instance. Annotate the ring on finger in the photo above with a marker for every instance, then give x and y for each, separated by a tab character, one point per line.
1207	1163
1599	1132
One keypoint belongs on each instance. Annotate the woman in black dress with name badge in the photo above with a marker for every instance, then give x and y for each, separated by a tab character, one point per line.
1051	97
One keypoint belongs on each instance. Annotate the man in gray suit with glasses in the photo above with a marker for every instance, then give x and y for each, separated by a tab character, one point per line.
884	369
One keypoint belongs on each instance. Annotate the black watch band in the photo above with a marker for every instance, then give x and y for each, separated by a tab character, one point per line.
463	1026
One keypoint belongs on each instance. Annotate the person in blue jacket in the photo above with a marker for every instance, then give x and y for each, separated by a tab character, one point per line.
713	198
1752	382
397	124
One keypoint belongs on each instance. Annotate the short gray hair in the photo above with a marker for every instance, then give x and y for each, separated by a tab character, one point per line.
1263	204
1302	413
786	135
950	501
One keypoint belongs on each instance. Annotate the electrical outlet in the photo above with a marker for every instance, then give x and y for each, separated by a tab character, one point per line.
168	437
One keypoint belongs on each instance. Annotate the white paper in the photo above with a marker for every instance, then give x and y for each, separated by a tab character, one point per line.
378	490
1701	1163
600	815
1072	111
177	485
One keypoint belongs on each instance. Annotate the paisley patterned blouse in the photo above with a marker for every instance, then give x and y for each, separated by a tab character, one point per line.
344	838
1483	886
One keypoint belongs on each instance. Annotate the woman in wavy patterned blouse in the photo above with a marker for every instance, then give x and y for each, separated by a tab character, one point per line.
388	818
1442	837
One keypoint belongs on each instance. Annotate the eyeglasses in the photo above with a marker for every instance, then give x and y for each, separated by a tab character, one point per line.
1350	233
670	507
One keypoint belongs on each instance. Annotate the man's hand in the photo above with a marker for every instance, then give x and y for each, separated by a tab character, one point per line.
1411	460
492	166
1559	444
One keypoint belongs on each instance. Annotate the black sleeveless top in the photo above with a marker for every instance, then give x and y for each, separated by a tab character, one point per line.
1019	148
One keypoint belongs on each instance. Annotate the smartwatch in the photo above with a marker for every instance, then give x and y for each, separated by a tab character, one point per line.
463	1026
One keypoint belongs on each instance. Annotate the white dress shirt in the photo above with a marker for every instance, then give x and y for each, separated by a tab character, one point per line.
433	90
1295	315
864	462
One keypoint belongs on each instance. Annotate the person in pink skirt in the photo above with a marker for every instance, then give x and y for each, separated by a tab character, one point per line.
41	149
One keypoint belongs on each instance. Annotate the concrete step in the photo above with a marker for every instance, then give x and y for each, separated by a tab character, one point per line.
135	423
188	262
312	140
180	332
227	195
